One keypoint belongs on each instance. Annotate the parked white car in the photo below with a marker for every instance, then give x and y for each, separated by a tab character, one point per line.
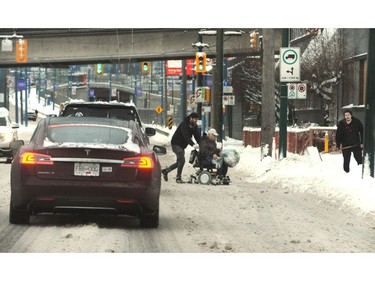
8	133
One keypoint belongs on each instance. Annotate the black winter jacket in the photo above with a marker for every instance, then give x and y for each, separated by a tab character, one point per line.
184	132
349	134
207	148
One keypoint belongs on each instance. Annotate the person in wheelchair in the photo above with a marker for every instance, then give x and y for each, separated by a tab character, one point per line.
209	154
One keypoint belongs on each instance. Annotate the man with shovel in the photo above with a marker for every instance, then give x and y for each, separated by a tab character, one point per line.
349	138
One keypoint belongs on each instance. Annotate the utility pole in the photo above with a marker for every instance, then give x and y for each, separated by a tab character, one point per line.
268	90
283	104
370	103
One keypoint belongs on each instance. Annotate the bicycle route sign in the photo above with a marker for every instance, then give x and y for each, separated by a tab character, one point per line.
290	66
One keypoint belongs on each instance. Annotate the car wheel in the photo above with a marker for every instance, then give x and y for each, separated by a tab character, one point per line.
9	160
18	216
150	221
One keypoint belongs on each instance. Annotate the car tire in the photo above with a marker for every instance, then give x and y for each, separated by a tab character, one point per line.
149	221
18	216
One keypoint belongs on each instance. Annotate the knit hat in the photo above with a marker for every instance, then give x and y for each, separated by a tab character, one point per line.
193	115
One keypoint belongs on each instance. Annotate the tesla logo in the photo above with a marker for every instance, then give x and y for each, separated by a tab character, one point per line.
87	151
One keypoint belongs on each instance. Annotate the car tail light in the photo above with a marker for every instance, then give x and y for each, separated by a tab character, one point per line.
142	162
30	158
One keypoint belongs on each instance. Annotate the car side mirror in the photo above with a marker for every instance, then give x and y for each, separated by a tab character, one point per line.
150	131
159	150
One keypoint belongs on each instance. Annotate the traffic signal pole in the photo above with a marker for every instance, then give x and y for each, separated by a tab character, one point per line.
219	83
183	94
165	114
199	77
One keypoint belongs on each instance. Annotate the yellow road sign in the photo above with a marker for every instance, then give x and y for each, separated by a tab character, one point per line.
159	109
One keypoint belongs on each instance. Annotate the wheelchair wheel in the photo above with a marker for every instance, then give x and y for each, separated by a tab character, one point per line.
204	177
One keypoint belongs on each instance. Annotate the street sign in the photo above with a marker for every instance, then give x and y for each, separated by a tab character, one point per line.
290	66
114	92
171	109
200	95
159	109
92	93
227	89
292	94
206	109
192	101
302	89
297	90
21	84
226	100
231	100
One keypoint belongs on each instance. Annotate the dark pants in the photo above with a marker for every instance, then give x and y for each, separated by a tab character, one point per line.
222	171
346	153
180	162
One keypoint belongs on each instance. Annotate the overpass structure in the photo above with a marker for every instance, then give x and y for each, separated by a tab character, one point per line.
71	46
64	47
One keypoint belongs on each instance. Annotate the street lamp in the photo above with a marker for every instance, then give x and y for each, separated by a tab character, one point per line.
6	44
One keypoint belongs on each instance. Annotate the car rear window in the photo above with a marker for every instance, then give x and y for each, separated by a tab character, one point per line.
87	133
112	112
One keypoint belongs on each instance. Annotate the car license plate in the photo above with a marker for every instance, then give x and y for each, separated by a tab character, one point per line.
86	169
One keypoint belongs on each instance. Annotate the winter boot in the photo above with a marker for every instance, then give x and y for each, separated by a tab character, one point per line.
165	174
179	180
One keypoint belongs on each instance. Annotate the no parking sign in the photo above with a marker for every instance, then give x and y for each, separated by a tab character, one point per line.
297	91
301	90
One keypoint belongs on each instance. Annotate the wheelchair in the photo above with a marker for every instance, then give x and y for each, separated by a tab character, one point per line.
206	173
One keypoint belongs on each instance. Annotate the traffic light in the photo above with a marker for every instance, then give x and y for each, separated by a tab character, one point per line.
146	67
21	50
99	69
254	41
200	62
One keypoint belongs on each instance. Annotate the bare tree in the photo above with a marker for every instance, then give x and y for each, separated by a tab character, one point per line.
248	80
321	68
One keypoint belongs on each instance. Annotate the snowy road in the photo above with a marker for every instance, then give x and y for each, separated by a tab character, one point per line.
242	217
